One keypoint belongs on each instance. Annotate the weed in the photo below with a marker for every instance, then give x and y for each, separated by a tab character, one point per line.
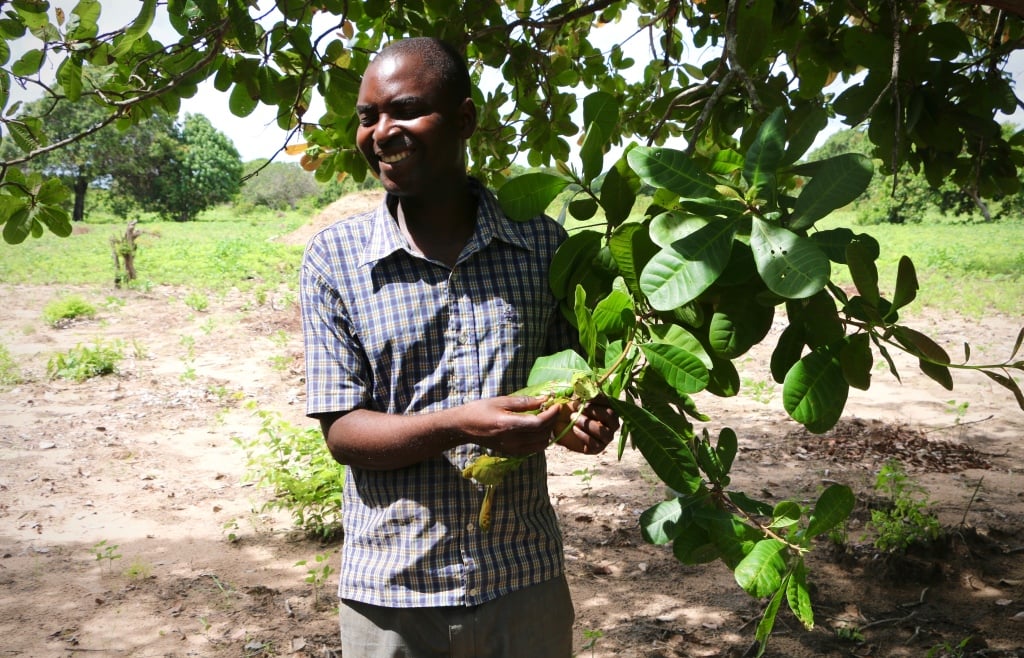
62	311
947	650
197	301
586	475
280	362
958	409
591	636
759	390
904	521
849	634
10	374
230	529
104	551
295	464
139	569
317	574
83	362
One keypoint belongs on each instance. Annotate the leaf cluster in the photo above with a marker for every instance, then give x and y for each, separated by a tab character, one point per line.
927	78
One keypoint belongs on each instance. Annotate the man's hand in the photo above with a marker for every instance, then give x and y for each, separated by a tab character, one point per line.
504	424
593	430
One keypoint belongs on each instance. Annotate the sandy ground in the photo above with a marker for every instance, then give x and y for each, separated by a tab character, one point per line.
143	463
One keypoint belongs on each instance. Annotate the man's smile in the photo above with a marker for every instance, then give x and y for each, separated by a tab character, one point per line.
392	158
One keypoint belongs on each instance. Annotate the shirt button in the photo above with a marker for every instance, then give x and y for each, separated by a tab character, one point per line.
463	338
473	592
470	527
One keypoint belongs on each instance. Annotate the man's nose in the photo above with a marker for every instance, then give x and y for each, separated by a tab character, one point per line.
385	128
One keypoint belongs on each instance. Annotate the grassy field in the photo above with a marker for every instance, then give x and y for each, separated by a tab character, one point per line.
974	269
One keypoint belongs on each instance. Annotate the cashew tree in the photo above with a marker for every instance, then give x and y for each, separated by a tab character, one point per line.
669	287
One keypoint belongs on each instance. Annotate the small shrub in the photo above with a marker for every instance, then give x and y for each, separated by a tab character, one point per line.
197	301
294	462
904	521
10	374
62	311
83	362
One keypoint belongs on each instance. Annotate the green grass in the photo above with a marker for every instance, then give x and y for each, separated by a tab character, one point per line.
218	251
974	269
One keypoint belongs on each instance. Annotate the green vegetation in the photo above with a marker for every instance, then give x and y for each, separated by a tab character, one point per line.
294	463
83	362
221	250
904	520
67	308
10	374
102	550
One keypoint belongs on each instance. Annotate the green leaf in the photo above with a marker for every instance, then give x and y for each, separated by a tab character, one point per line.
838	182
798	597
592	152
18	224
28	64
682	370
791	265
738	323
906	284
660	524
724	379
562	366
618	192
856	361
764	627
765	155
673	334
678	274
787	351
601	109
138	29
69	73
664	450
524	197
760	572
814	392
673	171
240	102
726	448
833	242
585	323
785	514
833	507
614	315
863	271
632	248
576	253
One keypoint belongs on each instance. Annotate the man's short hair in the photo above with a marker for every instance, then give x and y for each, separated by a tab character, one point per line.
437	56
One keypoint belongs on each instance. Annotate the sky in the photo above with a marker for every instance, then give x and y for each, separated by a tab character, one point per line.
258	136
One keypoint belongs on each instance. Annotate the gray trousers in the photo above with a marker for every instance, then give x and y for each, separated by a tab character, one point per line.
535	622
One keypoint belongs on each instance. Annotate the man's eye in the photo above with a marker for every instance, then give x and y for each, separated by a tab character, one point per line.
366	120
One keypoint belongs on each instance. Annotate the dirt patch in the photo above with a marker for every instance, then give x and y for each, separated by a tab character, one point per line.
119	497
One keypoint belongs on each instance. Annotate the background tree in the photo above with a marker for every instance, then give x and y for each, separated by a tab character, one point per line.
277	185
177	172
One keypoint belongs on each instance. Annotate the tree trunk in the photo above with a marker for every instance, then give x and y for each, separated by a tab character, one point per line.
81	187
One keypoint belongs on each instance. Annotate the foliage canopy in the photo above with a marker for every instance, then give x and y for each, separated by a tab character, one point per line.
930	76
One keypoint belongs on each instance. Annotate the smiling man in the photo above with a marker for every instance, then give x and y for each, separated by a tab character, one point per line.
419	319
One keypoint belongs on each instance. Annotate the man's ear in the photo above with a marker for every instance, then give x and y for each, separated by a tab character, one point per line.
467	117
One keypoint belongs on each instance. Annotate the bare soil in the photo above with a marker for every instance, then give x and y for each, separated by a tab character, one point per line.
144	463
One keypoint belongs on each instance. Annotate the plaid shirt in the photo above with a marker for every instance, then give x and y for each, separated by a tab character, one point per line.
388	330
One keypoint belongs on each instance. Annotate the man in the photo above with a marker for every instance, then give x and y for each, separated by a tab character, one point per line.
419	318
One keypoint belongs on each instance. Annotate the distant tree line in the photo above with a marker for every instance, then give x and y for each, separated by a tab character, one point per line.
173	168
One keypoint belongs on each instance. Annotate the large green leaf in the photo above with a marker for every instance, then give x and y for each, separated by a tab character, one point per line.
765	155
837	182
618	192
832	508
138	28
760	572
798	597
524	197
678	274
738	323
791	265
632	248
814	392
614	315
664	450
672	170
659	524
577	252
682	370
562	367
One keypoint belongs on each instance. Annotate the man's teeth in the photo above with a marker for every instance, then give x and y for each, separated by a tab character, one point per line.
394	157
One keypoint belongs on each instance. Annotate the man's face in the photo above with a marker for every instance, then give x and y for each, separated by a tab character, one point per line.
411	131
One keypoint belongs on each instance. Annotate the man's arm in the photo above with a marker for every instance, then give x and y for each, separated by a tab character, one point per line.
380	441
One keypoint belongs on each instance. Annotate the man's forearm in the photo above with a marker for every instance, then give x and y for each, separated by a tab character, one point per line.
379	441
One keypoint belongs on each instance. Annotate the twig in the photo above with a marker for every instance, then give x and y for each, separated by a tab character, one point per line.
889	620
949	427
916	603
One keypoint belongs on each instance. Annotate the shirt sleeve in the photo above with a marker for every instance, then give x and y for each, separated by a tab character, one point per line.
337	373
